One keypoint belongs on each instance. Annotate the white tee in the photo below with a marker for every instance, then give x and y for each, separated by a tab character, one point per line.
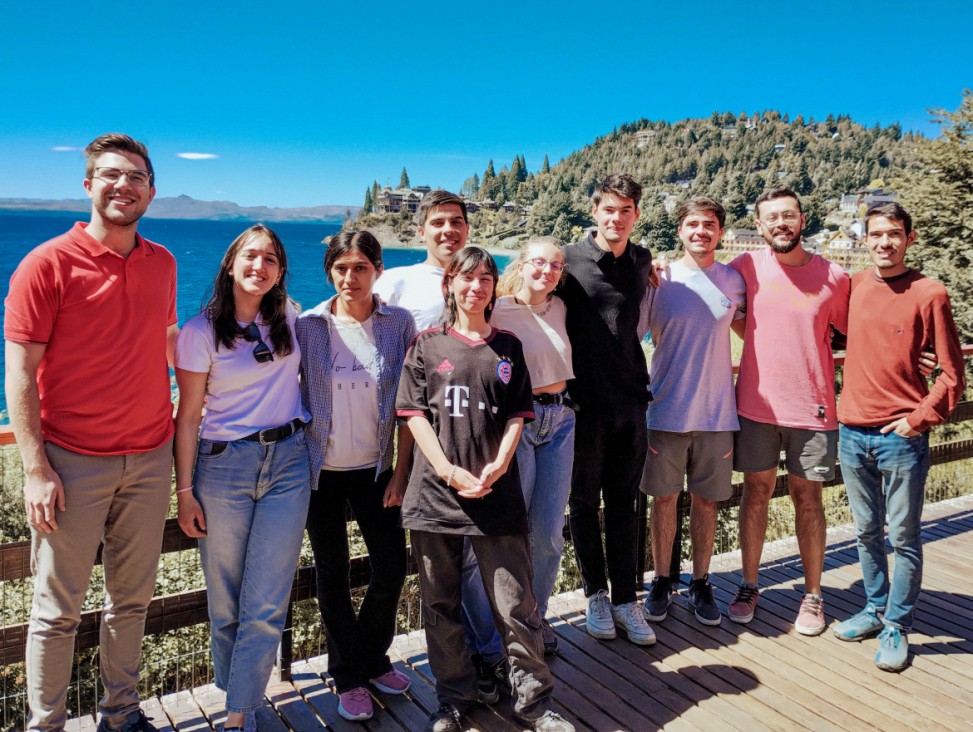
353	437
242	396
418	288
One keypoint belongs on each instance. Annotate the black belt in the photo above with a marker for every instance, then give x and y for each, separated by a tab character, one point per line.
560	398
275	434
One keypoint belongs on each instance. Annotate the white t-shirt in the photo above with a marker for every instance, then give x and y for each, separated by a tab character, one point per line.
542	331
242	396
418	288
353	437
689	315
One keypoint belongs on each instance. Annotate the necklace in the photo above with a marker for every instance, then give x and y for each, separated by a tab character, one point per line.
539	310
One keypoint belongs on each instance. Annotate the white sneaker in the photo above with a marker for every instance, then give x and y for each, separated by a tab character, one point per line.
630	619
599	621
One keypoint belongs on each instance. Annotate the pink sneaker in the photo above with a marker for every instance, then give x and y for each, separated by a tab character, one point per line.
392	682
810	618
355	705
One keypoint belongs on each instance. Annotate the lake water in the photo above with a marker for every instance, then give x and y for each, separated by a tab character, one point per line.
198	247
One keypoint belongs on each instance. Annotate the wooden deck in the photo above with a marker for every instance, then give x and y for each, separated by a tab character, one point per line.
763	676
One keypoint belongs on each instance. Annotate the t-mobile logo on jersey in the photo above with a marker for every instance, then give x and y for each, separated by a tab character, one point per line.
458	397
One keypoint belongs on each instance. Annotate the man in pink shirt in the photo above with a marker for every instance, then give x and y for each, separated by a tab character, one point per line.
785	395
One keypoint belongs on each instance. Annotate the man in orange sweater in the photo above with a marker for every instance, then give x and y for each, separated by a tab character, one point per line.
885	413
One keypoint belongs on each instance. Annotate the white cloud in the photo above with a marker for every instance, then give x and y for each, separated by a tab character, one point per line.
197	156
66	148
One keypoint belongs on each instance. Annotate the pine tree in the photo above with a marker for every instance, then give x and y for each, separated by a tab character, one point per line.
404	179
939	196
369	204
546	165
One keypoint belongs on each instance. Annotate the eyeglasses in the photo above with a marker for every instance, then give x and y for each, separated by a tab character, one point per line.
113	175
788	217
261	352
541	263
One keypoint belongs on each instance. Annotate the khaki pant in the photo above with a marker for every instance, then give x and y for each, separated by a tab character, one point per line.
121	501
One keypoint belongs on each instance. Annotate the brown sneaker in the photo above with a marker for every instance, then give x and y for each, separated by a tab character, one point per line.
550	638
744	605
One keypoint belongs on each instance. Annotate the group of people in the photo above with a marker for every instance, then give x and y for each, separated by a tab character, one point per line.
468	408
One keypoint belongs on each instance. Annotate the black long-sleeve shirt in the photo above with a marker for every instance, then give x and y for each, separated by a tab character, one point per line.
602	293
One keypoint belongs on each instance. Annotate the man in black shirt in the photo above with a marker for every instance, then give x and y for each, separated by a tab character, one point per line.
605	281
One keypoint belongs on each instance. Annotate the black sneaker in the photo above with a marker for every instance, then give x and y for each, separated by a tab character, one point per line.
656	606
446	718
134	722
700	595
487	688
550	639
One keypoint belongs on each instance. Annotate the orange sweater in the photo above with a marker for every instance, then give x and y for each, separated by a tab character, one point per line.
889	323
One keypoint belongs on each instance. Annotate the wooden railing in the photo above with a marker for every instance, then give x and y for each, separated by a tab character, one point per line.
189	608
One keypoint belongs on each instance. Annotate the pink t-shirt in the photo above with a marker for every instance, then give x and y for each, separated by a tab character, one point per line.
787	369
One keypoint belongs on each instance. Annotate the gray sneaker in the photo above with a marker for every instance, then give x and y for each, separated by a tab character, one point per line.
599	621
630	619
550	721
656	607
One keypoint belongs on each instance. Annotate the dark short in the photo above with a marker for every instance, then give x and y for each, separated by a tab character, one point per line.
808	454
700	461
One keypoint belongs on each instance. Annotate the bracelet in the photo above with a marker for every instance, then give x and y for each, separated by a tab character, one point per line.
184	490
449	480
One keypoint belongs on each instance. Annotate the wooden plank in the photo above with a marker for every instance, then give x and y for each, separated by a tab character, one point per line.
184	712
292	707
152	708
838	664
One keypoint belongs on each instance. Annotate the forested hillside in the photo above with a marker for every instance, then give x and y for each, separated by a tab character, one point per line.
728	157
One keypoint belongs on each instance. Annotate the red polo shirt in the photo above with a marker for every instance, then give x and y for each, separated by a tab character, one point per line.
103	380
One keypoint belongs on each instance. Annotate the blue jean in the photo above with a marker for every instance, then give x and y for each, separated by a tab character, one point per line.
478	624
545	456
887	474
255	499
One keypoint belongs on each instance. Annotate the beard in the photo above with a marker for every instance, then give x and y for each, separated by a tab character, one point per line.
788	245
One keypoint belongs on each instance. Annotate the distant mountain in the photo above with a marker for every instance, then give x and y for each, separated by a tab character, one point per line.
185	207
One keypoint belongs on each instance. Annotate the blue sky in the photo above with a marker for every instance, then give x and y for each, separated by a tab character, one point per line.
305	103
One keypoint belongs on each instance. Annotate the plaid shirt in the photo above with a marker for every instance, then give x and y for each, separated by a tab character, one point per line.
394	332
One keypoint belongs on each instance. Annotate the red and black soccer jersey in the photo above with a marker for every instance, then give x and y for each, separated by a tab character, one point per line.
468	390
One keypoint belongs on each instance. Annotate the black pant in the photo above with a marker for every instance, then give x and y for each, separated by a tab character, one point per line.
507	577
609	455
357	647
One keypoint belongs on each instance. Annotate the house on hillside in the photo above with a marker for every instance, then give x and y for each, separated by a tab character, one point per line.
642	137
742	240
389	201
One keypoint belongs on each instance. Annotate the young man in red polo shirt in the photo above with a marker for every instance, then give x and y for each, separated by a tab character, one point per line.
89	327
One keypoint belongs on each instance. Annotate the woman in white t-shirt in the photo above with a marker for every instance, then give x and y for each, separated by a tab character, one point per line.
545	453
352	349
242	475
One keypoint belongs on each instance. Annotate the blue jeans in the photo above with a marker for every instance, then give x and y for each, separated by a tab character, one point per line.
887	474
545	456
481	630
255	499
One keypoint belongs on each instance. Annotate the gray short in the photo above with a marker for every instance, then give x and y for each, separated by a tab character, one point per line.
809	454
700	460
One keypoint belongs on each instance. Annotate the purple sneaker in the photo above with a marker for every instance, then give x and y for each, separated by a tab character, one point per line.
355	705
392	682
